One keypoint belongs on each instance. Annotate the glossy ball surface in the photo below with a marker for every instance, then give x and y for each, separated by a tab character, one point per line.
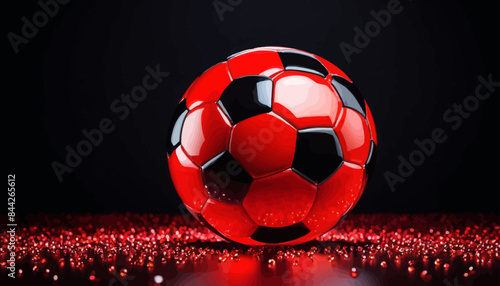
272	146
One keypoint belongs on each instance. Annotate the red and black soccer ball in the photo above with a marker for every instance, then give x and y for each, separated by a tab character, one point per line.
272	146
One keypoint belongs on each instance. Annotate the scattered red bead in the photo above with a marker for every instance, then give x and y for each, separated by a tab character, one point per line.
354	272
125	243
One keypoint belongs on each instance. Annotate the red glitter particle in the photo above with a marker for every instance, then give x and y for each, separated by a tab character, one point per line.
123	272
426	276
125	244
354	272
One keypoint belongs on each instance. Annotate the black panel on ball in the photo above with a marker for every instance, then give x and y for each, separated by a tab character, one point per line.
175	127
372	156
349	94
280	234
300	61
318	154
225	179
246	97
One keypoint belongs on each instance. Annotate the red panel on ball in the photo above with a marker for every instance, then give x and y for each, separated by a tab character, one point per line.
187	180
354	136
264	63
209	86
263	144
305	100
279	200
228	219
205	133
335	197
371	124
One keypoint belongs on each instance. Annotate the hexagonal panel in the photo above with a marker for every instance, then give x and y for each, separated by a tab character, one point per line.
318	154
372	157
349	94
301	61
263	144
264	63
205	133
335	197
175	127
225	179
279	200
229	219
305	100
187	180
209	86
354	136
246	97
280	234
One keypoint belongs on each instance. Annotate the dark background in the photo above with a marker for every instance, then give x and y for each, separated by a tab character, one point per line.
65	78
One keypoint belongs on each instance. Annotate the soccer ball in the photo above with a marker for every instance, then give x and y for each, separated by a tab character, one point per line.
272	146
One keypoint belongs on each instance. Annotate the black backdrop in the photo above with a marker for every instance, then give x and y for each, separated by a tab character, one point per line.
66	77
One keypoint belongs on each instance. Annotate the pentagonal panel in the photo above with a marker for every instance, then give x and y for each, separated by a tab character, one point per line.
372	156
305	100
263	144
264	63
205	133
350	95
335	197
279	200
187	180
318	154
225	179
175	127
229	219
280	234
371	124
301	61
209	86
354	136
246	97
